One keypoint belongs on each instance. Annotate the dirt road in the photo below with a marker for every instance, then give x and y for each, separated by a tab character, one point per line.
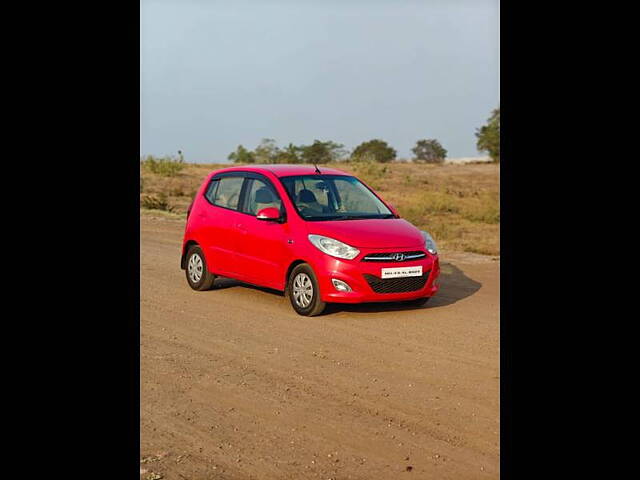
235	385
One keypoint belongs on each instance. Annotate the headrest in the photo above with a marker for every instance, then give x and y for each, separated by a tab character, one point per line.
306	196
264	195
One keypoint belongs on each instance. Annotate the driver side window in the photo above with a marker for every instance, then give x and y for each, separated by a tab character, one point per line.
261	195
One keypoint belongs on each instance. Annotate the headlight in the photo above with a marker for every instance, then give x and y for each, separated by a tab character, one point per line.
429	244
334	247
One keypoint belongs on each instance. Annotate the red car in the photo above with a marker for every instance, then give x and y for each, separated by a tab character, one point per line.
318	235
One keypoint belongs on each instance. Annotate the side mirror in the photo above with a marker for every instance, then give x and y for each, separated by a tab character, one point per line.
393	210
269	214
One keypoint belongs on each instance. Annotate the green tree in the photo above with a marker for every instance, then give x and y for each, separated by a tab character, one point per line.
321	152
266	151
291	154
374	151
242	155
429	151
489	136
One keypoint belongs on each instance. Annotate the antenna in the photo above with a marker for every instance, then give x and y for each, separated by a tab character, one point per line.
317	169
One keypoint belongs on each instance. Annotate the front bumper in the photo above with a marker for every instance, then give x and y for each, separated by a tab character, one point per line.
353	272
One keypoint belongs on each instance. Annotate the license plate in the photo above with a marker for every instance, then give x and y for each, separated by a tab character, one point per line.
401	272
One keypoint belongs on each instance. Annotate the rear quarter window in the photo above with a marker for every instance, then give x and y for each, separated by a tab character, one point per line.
210	193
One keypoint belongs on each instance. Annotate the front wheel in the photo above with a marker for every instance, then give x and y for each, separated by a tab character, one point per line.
303	291
198	276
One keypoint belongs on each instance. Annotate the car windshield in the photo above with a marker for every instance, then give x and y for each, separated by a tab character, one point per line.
333	197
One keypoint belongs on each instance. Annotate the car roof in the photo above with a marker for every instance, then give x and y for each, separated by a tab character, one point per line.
283	170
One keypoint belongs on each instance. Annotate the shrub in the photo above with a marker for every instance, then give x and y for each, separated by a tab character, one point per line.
156	202
291	154
489	136
266	151
321	152
163	166
374	151
242	155
429	151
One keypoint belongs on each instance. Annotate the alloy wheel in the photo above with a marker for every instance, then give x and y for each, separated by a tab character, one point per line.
302	290
195	268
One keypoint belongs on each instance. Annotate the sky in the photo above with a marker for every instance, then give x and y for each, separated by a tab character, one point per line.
217	74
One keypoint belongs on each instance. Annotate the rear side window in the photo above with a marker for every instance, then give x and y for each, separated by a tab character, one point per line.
227	192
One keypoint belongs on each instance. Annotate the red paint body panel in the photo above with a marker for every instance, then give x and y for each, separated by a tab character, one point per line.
263	252
352	271
389	233
240	246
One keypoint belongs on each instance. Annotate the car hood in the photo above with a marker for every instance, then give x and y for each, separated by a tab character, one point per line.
370	233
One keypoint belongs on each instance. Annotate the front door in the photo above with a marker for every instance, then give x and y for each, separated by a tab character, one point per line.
263	253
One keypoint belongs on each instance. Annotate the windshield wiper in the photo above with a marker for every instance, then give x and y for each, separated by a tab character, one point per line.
349	217
360	217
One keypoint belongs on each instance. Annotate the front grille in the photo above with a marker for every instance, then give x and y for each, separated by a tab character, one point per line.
396	285
389	256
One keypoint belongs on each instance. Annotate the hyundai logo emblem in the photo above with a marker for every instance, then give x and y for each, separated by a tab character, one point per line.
398	257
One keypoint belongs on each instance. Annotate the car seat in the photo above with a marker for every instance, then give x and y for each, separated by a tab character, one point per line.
264	198
306	199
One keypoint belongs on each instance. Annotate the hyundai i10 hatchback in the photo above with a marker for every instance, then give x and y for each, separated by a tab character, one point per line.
319	235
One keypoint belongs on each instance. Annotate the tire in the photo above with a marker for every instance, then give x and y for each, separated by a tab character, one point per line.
303	291
198	275
418	302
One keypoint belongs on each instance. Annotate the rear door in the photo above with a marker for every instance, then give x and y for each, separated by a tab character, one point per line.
220	218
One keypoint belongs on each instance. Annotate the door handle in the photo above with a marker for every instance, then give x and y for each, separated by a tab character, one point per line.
240	227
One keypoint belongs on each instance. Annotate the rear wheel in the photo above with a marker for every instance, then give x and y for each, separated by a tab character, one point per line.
198	275
303	291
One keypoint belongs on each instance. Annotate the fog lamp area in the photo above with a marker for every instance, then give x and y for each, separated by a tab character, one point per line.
340	285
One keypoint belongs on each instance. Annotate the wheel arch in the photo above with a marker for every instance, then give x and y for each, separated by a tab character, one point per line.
185	249
293	265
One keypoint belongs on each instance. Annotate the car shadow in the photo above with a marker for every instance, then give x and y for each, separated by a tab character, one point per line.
454	286
222	283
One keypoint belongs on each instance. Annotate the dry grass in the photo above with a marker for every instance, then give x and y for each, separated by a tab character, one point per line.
163	166
155	202
458	204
